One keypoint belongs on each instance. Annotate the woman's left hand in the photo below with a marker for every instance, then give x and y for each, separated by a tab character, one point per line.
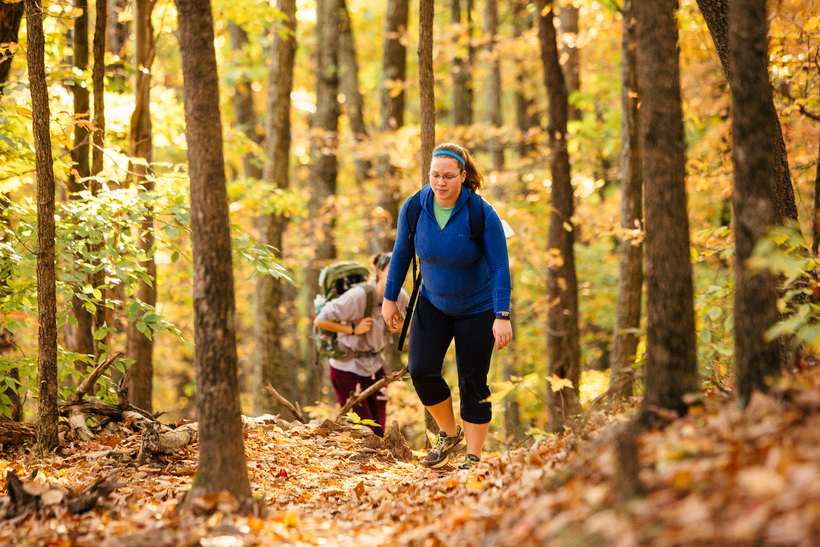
502	332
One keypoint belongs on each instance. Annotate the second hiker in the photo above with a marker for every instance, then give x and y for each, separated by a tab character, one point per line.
366	337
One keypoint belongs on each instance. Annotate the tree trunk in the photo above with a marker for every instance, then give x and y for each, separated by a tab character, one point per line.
494	117
6	337
815	243
526	114
671	369
79	338
246	119
103	315
271	365
323	165
572	65
117	38
563	347
140	347
427	98
354	103
716	14
10	17
630	275
222	463
46	276
394	70
753	195
462	67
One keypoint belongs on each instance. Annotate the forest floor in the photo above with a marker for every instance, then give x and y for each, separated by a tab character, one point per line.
717	476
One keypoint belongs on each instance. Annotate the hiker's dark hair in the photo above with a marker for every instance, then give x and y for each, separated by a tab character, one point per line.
381	261
475	177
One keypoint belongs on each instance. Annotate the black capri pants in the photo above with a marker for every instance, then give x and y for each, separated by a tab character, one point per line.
430	335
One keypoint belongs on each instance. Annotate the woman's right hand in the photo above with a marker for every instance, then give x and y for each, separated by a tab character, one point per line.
391	315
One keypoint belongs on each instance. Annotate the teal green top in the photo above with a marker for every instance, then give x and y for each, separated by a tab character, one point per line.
442	215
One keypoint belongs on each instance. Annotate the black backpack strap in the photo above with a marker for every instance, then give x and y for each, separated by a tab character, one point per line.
475	206
413	213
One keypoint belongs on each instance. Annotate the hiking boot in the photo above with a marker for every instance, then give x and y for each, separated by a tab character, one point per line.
469	462
440	454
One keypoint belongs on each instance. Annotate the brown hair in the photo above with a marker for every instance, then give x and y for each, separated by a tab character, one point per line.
475	177
381	261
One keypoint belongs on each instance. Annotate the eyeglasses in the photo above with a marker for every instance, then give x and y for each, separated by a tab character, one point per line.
435	176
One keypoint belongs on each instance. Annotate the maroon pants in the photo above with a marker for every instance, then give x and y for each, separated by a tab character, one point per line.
374	407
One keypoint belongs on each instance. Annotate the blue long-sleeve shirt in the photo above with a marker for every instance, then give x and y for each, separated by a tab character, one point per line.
458	278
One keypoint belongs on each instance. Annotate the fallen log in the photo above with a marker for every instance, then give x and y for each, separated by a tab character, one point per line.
16	433
156	441
358	397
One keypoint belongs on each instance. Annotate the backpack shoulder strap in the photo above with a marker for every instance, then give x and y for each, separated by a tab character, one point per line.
413	212
371	298
476	210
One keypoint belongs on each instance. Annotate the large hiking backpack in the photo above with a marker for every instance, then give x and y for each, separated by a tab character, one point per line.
334	280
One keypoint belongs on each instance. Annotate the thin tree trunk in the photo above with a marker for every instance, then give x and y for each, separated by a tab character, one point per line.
630	275
526	115
716	14
572	65
354	103
756	358
394	70
140	347
563	347
462	71
671	369
79	338
47	412
10	17
427	100
815	243
103	315
271	364
494	117
246	119
222	463
323	165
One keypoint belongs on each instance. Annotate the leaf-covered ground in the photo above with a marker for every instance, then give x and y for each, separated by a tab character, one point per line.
718	476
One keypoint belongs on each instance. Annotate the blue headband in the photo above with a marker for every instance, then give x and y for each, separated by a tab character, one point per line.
451	154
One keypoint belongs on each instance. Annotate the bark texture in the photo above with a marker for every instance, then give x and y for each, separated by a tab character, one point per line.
271	365
10	17
354	103
462	64
140	347
103	315
571	54
630	274
246	118
323	165
753	195
671	368
563	349
46	278
222	463
716	14
526	110
494	117
394	73
426	87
